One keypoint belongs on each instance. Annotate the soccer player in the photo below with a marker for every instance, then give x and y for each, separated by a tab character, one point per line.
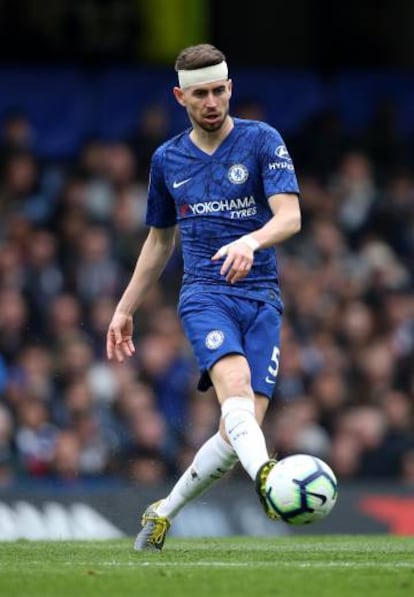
230	186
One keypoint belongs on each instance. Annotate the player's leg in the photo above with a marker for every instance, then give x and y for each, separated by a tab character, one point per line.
232	382
241	423
216	456
262	404
213	460
262	341
236	341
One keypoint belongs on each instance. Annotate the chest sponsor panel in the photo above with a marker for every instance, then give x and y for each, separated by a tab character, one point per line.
244	207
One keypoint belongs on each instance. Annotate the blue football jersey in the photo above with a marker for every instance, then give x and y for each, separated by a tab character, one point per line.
217	198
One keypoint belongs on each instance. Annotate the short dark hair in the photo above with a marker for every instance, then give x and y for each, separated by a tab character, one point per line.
198	56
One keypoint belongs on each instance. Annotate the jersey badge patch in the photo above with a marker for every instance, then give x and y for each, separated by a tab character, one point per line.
214	339
238	173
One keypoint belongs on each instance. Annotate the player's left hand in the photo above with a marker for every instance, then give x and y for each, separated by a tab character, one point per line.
238	261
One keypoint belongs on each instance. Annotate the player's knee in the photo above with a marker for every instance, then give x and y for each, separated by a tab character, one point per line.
237	383
231	377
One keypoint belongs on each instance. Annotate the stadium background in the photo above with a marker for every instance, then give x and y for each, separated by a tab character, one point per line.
84	100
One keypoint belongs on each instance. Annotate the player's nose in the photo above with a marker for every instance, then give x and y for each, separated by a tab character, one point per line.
211	100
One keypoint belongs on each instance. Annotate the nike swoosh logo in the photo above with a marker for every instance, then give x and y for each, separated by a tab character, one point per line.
270	380
180	183
323	498
303	490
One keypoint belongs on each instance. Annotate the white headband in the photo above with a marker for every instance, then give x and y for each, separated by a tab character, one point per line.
201	76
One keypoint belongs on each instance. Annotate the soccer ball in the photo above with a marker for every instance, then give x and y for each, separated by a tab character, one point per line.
301	489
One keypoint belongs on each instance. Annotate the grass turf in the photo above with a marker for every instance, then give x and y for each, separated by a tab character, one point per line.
340	566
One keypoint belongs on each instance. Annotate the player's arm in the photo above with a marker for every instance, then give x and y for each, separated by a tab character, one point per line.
286	221
239	255
152	259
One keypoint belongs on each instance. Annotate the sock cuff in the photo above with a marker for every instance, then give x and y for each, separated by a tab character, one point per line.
236	403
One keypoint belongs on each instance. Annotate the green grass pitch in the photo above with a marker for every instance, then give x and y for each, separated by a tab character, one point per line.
334	566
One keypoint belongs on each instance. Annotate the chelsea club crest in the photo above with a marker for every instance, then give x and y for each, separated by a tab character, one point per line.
214	339
238	173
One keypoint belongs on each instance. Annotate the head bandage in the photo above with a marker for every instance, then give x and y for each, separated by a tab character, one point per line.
201	76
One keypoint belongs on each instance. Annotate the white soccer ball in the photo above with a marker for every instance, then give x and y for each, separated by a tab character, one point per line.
301	489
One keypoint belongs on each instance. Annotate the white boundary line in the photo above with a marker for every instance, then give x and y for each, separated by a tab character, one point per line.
212	564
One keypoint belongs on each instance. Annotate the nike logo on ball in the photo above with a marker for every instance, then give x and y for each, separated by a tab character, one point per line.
323	498
180	183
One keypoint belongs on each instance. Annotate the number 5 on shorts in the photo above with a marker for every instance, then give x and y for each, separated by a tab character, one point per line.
274	366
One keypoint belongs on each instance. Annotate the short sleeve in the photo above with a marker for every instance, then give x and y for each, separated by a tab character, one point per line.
161	207
277	167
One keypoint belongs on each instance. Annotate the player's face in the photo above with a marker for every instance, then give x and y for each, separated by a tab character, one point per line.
207	105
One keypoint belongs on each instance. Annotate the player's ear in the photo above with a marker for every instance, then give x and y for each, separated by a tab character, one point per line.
179	95
230	84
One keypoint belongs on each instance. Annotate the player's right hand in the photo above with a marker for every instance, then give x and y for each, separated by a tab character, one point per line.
238	258
119	342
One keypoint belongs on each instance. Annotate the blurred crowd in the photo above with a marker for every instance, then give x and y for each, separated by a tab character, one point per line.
70	232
